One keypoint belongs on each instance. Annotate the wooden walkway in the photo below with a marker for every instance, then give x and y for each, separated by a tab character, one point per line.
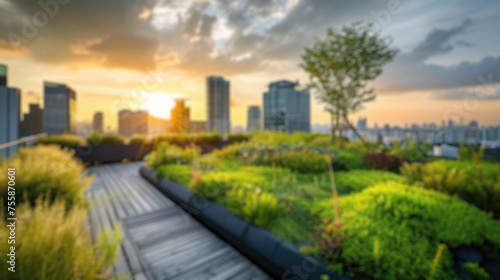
160	241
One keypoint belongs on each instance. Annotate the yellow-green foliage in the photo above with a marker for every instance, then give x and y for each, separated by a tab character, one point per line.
255	206
137	139
171	154
97	138
52	243
275	138
409	223
358	180
476	272
42	170
479	186
66	140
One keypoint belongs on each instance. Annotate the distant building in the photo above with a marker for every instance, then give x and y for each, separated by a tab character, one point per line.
32	121
98	122
130	123
197	126
3	75
445	151
180	117
218	98
156	126
253	119
286	109
361	125
59	114
10	114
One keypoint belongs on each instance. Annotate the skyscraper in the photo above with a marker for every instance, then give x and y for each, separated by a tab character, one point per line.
10	113
3	75
59	114
218	96
253	119
180	116
32	121
286	109
130	123
98	122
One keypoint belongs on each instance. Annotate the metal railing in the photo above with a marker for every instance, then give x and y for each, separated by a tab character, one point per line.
27	141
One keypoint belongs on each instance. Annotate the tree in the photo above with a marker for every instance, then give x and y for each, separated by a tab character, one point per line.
341	65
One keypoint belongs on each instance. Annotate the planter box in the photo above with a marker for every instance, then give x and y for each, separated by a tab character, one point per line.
112	153
278	258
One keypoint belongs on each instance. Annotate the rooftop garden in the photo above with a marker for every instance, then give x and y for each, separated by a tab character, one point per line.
392	216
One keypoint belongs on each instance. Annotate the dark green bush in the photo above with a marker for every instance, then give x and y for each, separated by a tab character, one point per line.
210	138
64	140
97	138
137	139
304	162
240	137
476	272
395	232
351	159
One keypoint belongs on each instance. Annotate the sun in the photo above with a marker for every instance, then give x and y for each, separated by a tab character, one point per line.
158	104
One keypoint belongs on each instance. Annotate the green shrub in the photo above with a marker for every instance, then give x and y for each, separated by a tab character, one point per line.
272	138
46	170
212	185
239	137
481	188
306	161
137	139
179	173
64	140
351	159
257	207
395	231
476	272
210	138
52	243
97	138
171	154
358	180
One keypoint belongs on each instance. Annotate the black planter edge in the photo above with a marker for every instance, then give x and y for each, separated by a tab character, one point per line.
278	258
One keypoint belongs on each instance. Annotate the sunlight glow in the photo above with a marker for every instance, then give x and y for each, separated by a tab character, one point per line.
159	104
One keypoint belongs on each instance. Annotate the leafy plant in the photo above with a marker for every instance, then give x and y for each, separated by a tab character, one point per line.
171	154
64	140
255	206
137	139
475	272
239	137
351	159
394	231
358	180
97	138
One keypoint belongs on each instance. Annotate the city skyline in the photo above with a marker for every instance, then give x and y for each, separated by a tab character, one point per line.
444	62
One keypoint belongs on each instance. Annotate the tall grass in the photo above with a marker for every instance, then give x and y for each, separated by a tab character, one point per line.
46	170
53	244
65	140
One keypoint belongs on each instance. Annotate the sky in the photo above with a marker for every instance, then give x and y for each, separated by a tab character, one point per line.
120	54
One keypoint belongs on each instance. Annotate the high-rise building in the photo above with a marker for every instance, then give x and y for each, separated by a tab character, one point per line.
98	122
253	119
32	121
10	113
361	125
180	116
59	115
218	97
130	123
3	75
286	109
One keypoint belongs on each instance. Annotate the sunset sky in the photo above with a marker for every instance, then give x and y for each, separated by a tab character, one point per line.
123	53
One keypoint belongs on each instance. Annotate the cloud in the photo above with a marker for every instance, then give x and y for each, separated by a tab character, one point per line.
411	72
469	94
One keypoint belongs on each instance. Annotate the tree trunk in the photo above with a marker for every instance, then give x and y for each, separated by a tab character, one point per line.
357	133
332	129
